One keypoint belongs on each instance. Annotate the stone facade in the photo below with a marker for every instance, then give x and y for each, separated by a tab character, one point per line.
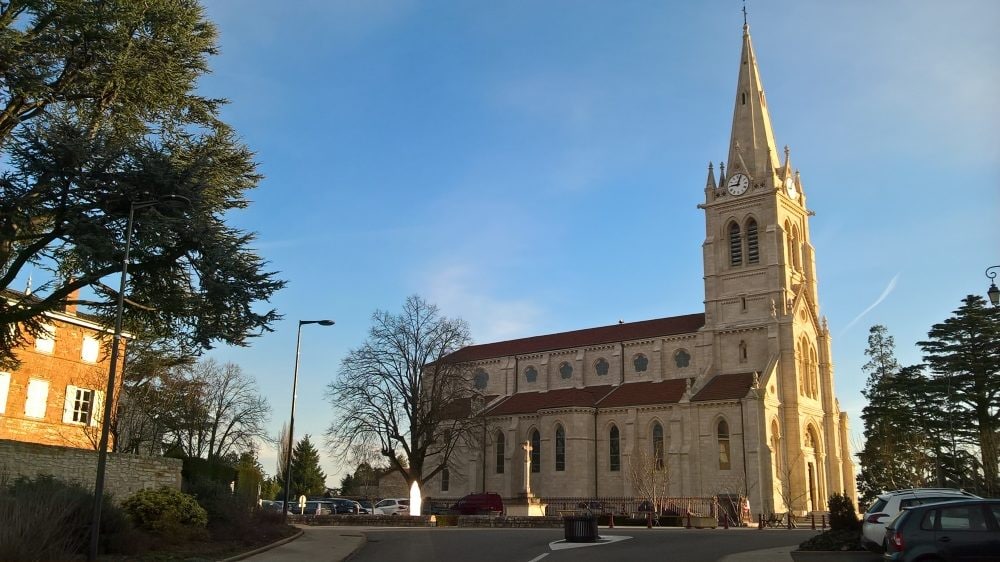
56	396
125	475
737	400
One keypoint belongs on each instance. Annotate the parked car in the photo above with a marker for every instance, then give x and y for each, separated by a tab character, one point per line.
366	507
479	504
393	506
344	506
889	504
963	530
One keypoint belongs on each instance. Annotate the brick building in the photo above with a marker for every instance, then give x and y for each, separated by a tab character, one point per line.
56	396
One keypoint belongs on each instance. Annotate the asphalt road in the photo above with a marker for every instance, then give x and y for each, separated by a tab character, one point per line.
538	545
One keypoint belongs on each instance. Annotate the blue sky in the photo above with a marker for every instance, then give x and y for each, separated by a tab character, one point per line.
535	167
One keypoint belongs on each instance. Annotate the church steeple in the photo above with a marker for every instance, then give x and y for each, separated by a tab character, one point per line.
751	147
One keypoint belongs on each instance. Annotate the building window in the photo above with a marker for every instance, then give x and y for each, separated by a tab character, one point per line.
530	374
615	449
480	379
640	363
753	251
723	435
445	477
743	351
38	395
80	405
735	245
601	367
501	453
536	451
682	359
45	342
4	387
776	447
658	446
565	370
560	449
91	349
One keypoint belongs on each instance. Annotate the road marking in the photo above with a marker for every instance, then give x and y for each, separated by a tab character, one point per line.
602	540
537	558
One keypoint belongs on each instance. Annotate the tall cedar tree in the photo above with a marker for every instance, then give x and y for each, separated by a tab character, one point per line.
308	478
97	110
397	395
963	353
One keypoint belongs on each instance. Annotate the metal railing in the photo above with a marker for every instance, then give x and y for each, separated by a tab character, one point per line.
631	506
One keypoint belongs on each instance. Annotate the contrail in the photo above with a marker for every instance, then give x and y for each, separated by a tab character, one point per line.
885	293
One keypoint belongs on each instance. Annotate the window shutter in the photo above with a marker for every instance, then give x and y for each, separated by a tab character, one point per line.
96	411
4	386
68	405
38	394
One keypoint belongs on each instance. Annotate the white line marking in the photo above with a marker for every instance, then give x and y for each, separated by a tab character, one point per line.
601	540
537	558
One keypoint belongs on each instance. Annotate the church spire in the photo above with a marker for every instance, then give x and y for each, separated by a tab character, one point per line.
751	145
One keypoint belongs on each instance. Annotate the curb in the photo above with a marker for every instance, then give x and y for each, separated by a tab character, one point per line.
264	548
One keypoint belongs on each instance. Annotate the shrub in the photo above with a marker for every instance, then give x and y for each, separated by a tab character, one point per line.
48	519
843	515
166	511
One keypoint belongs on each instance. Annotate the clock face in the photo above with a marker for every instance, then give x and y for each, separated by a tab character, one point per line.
790	188
738	184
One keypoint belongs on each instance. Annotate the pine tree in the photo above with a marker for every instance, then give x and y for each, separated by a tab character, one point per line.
308	478
888	458
964	355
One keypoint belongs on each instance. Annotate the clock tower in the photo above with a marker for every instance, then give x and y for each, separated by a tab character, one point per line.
761	304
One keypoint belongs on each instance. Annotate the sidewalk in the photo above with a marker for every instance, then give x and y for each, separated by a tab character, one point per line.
779	554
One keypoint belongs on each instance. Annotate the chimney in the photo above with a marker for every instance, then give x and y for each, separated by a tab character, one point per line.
70	307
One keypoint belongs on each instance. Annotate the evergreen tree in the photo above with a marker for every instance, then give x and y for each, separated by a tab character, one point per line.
895	454
308	478
964	355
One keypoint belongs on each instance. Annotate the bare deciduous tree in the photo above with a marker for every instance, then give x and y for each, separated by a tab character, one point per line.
401	393
650	478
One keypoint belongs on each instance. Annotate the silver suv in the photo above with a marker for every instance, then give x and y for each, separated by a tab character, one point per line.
889	504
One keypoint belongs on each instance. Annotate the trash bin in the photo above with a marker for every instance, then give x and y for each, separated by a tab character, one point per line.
580	528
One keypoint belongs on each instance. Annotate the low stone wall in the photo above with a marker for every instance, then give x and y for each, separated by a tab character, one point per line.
430	521
124	475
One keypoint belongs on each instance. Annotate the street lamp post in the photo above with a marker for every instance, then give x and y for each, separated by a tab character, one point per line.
291	421
993	292
102	448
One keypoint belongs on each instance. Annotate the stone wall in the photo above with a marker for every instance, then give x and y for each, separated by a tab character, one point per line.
125	474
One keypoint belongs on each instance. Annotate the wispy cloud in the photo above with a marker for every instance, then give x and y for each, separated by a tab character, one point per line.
885	293
463	291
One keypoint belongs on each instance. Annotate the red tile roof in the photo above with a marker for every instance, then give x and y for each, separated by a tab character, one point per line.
642	393
581	338
725	387
529	402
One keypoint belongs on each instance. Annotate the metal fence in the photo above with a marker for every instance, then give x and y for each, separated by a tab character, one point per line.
631	506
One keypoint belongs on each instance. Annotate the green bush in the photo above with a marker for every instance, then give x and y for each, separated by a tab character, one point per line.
166	511
48	519
843	515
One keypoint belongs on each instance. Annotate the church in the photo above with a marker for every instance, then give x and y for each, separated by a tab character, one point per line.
737	399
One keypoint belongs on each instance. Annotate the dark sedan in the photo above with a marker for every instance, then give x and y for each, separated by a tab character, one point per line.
343	506
964	530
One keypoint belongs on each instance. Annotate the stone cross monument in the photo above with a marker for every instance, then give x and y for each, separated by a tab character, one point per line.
527	467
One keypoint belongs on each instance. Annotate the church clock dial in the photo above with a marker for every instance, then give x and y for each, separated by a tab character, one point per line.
790	188
738	184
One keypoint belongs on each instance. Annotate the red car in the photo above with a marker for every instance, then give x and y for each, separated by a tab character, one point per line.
479	504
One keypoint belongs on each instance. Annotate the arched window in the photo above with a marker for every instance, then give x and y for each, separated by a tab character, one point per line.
658	446
480	379
601	366
723	436
776	447
753	251
640	362
501	451
536	451
530	374
743	351
796	249
560	449
788	245
445	477
735	245
682	359
615	449
814	371
565	370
